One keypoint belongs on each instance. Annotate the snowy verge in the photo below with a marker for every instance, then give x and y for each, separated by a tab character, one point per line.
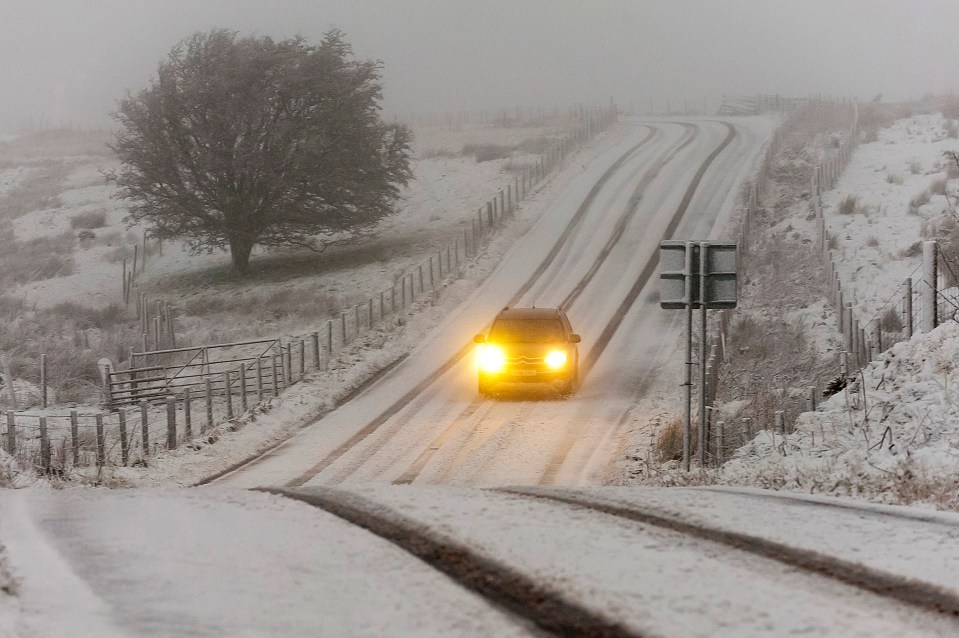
891	436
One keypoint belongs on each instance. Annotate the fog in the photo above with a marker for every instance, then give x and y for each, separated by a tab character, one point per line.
66	63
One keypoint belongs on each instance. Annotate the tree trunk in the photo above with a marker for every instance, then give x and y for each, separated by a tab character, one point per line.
240	249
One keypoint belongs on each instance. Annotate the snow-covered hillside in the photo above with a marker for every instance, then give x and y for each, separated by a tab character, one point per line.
892	435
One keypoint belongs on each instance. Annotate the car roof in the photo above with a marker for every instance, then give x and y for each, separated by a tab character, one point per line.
530	313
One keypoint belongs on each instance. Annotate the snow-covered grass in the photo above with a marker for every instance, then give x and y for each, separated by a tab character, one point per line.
902	193
892	434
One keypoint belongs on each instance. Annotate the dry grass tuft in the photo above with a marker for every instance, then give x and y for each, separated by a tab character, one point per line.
89	220
891	320
849	206
919	201
669	442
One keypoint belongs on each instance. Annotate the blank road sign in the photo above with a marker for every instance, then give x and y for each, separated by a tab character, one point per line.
721	280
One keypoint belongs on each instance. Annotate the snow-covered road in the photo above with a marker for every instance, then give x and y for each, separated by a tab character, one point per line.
445	561
593	252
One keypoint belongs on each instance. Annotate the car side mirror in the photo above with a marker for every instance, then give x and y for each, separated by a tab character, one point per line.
479	339
574	338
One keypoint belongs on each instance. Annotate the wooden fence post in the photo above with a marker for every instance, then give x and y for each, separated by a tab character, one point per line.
382	311
75	436
259	378
43	379
420	269
241	373
11	432
144	427
276	380
187	413
44	445
101	442
720	442
329	337
171	423
303	345
432	285
124	441
930	279
208	387
228	394
5	365
907	302
286	359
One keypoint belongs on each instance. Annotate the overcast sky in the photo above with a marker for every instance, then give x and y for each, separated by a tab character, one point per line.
69	61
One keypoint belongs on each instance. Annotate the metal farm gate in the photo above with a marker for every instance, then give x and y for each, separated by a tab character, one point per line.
155	375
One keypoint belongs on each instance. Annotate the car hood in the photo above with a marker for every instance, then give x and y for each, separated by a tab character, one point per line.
531	350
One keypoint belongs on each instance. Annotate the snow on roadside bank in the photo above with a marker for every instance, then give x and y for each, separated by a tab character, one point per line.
891	436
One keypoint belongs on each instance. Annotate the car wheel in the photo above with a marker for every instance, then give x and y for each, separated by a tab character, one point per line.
570	385
485	387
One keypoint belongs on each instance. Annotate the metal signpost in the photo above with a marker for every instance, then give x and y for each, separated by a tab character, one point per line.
696	274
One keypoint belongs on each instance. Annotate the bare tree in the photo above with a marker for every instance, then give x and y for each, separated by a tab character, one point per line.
245	141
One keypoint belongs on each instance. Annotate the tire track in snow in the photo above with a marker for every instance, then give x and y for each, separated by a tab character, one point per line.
859	508
900	588
530	601
606	335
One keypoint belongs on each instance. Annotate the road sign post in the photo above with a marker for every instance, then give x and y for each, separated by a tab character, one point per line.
697	274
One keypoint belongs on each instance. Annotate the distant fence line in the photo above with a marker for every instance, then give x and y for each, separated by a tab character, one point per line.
226	383
517	115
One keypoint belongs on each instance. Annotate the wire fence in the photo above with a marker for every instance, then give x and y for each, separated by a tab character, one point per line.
721	438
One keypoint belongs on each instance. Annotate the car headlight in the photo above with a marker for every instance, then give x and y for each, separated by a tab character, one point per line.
492	359
556	359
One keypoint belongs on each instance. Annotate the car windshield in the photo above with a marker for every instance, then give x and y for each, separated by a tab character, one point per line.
526	331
